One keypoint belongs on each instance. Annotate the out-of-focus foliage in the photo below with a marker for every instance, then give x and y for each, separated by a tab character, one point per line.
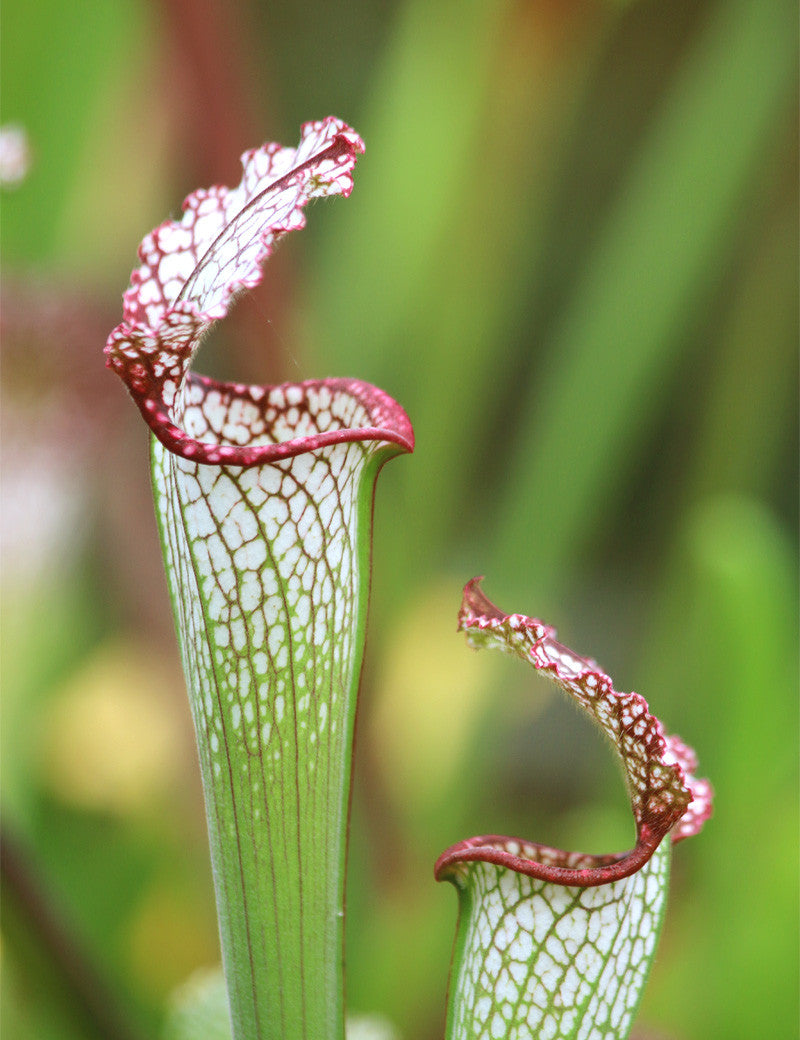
571	254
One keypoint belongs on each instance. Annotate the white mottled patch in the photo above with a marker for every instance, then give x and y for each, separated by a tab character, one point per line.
577	977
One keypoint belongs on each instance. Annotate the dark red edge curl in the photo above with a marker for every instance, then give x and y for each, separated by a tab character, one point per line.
395	429
392	424
489	848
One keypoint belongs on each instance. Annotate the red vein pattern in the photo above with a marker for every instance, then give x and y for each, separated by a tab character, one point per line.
268	569
534	959
264	501
558	944
192	269
665	795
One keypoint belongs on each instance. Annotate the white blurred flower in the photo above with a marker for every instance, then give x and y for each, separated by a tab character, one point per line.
15	155
370	1027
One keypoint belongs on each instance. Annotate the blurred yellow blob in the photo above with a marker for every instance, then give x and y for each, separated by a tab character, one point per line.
430	699
113	737
170	937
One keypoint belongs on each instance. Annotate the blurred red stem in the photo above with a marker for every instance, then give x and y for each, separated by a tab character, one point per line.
37	912
218	83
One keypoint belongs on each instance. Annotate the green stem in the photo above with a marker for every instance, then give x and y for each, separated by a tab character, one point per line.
269	574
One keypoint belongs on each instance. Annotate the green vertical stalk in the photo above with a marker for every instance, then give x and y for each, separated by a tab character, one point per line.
264	503
269	575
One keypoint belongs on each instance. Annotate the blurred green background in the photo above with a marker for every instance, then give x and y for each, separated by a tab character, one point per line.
571	254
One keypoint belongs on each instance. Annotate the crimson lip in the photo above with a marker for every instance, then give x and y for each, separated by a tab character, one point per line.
666	798
191	271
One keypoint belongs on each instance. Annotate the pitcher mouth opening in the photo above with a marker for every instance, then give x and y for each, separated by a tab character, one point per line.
192	269
237	424
666	798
